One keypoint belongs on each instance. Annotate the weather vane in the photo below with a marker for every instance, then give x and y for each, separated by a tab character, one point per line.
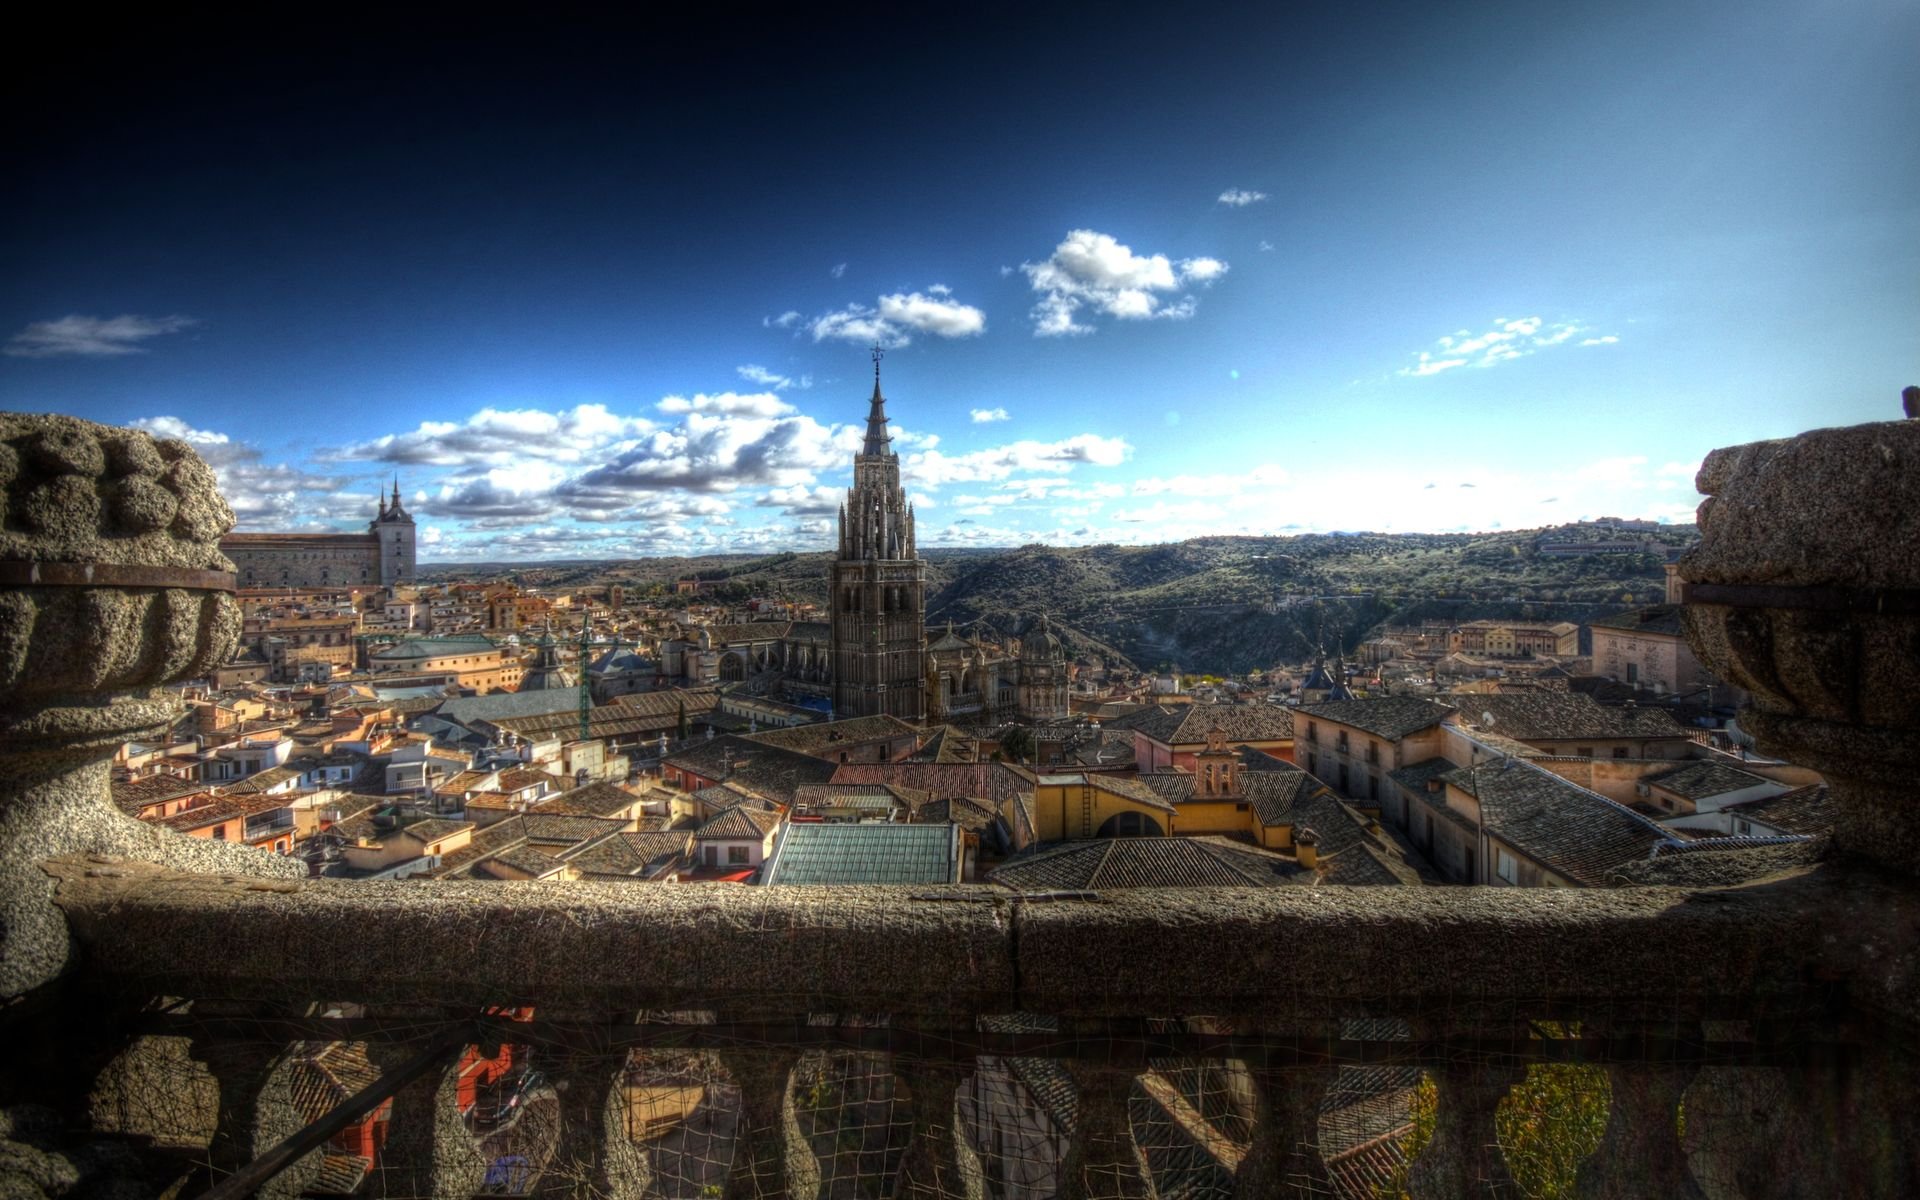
878	354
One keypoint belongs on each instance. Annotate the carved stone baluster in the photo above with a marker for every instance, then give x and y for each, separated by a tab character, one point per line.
771	1158
1104	1161
1850	1126
428	1151
1284	1154
255	1110
1640	1152
1464	1159
938	1161
595	1155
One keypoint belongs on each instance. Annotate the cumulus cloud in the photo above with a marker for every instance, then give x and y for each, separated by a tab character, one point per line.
1241	197
1505	341
933	469
982	416
733	404
92	337
263	494
838	270
786	320
895	318
1096	272
802	501
754	373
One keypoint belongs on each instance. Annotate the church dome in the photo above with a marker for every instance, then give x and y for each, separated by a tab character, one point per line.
1040	645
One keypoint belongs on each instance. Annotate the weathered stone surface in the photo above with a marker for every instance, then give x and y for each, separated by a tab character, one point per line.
1831	506
1271	952
79	665
1833	512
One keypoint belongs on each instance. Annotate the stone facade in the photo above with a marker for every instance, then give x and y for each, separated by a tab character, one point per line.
383	555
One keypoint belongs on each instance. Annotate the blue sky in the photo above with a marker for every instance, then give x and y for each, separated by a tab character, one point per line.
600	290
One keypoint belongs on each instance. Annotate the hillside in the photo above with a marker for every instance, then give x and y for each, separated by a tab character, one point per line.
1209	604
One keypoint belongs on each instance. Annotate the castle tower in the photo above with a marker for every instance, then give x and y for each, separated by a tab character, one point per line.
393	530
878	586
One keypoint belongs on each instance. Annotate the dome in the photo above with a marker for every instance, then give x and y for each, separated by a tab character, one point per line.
1040	644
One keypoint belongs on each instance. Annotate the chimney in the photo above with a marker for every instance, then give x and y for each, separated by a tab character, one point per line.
1434	785
1306	847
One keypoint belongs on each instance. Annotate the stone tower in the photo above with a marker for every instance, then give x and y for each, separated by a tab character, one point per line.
394	530
878	586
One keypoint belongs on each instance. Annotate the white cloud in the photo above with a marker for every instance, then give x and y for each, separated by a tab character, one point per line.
1265	244
838	270
1241	197
92	337
982	416
895	318
499	437
263	494
1096	272
733	404
754	373
786	320
1505	341
933	469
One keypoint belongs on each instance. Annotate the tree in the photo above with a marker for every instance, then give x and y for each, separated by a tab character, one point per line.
680	723
1017	744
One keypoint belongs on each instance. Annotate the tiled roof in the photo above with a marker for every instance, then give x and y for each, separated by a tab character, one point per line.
770	770
260	781
824	738
974	816
595	800
134	794
630	853
1703	778
1542	715
1570	830
1388	716
668	703
1662	619
751	631
860	795
468	709
738	823
1191	723
520	778
433	829
221	808
1802	810
1146	862
992	781
868	852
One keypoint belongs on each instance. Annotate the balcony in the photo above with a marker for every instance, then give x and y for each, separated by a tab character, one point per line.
202	1019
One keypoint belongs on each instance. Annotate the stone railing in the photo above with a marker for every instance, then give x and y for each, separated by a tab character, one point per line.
172	1003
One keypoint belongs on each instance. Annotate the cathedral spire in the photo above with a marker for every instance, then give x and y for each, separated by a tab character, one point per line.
878	440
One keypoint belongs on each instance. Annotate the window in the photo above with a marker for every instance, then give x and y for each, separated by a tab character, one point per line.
1313	763
1373	788
1619	751
1342	741
1313	733
737	856
1373	752
1633	672
1505	866
713	856
219	833
1584	751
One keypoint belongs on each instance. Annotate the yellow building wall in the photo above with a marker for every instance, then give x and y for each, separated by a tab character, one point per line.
1198	817
1059	811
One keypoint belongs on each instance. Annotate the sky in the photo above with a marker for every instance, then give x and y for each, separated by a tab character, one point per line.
596	287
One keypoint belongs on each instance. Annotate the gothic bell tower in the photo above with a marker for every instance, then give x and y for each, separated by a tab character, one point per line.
878	586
